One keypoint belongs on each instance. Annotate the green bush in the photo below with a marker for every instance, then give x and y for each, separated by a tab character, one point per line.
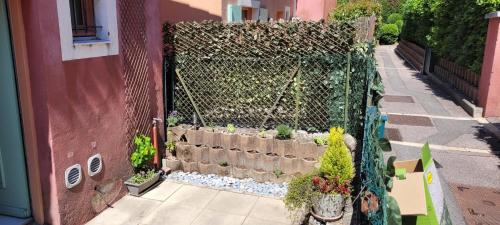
388	33
284	132
336	161
143	154
393	18
400	24
356	9
231	128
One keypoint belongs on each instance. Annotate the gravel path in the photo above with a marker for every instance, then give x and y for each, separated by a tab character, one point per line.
247	185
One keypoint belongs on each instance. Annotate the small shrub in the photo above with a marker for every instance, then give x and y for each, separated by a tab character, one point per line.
300	192
143	154
356	9
223	163
278	172
393	18
388	34
231	128
262	133
320	140
142	177
400	24
284	132
336	161
170	144
173	118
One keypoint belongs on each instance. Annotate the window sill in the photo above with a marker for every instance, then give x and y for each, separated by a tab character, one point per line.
87	42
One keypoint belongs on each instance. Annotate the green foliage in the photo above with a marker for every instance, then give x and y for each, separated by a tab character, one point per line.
173	118
223	163
393	18
336	161
320	140
277	172
170	144
142	177
262	133
231	128
388	34
143	154
284	132
301	192
391	6
455	30
356	9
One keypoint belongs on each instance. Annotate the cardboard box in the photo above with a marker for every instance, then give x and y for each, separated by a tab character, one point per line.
410	192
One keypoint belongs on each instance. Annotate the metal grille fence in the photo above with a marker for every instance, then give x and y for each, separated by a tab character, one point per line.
135	62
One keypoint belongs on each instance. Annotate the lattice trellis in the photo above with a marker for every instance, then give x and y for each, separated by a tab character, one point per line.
136	63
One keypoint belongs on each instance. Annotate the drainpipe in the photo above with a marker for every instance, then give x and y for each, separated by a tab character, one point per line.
156	159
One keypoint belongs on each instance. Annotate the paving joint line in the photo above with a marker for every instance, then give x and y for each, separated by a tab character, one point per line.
434	116
445	148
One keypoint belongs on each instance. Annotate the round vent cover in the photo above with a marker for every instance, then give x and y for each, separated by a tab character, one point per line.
73	175
94	165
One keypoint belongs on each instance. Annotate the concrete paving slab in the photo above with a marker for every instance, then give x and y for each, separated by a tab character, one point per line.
210	217
270	209
128	210
172	213
192	196
254	221
233	203
163	191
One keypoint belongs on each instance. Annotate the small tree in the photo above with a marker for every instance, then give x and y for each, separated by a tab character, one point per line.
143	154
336	161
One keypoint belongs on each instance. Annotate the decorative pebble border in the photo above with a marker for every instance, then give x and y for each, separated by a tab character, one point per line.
247	185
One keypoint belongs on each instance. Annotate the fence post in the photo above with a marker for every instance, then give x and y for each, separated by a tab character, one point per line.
347	90
489	93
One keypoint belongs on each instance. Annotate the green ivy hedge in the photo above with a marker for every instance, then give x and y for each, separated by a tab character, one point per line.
455	30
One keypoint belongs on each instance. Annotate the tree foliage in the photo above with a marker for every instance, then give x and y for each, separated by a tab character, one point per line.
336	161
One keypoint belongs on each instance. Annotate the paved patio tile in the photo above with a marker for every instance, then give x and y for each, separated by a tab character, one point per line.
270	209
210	217
193	196
172	213
254	221
128	210
234	203
163	191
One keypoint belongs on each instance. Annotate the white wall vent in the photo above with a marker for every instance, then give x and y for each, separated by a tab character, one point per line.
73	175
94	165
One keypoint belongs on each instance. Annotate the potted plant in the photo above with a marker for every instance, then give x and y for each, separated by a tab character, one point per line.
145	176
324	192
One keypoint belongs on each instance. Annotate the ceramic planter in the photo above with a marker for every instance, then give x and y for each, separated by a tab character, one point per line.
270	161
194	137
223	170
183	151
137	189
211	138
282	147
228	140
289	164
264	145
247	142
239	172
189	166
251	157
235	157
217	155
173	164
207	168
328	207
307	165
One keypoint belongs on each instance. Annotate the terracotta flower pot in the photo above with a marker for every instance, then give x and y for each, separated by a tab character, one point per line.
223	170
217	155
289	164
228	140
194	137
235	157
207	168
239	172
211	138
189	166
328	207
251	158
247	142
282	147
264	145
270	161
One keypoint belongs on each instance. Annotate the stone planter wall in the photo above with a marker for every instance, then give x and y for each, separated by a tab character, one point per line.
246	155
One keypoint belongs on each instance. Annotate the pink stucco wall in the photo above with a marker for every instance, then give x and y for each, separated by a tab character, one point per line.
315	9
78	103
489	91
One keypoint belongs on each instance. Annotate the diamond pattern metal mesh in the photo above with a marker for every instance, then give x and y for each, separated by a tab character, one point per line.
135	62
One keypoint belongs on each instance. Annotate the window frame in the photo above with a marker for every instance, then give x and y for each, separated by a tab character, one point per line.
88	29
